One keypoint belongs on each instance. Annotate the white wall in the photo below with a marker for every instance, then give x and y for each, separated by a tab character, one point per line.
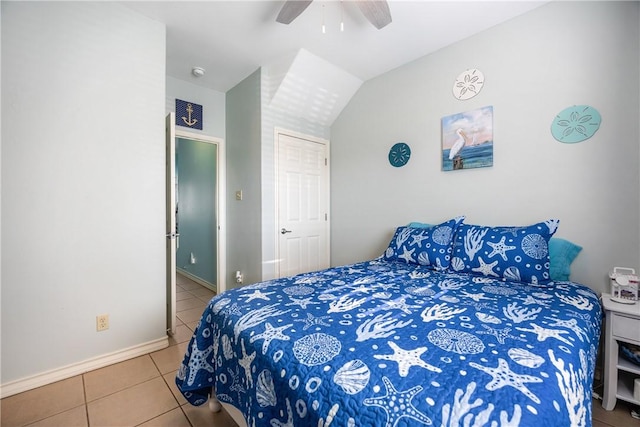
82	183
562	54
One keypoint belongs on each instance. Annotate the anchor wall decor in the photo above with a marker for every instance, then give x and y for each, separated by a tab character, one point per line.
188	114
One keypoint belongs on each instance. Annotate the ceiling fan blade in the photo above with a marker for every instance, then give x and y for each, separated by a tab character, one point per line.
376	11
291	10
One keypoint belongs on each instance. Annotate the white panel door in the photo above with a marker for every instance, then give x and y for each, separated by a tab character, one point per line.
303	205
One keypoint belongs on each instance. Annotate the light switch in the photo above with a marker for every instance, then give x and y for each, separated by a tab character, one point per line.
239	195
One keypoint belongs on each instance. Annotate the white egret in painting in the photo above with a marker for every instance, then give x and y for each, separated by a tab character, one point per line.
460	143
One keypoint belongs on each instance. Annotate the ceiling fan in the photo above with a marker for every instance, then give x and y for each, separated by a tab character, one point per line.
376	11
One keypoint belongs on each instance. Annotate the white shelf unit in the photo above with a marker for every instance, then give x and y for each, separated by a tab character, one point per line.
627	372
622	325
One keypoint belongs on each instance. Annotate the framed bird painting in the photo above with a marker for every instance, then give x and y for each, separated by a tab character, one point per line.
467	139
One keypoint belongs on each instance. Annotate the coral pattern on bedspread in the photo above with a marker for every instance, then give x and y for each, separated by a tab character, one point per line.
391	344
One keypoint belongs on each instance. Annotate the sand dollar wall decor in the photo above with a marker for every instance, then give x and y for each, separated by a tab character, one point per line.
575	124
399	154
468	84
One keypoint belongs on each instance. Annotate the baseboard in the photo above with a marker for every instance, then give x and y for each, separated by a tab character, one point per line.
196	279
58	374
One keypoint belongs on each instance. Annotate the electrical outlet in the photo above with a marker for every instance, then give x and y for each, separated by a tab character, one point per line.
102	322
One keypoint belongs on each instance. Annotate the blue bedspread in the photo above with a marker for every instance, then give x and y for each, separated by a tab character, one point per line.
392	344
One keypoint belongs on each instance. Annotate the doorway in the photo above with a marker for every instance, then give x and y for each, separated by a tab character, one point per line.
195	212
197	209
302	174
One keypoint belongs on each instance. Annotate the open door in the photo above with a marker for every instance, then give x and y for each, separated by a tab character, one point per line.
172	235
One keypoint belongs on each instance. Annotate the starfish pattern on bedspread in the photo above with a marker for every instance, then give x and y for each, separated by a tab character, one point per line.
198	361
257	294
544	333
406	359
393	399
311	321
270	333
503	376
302	302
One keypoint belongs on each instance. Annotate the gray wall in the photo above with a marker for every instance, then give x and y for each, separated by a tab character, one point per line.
244	224
196	176
82	183
562	54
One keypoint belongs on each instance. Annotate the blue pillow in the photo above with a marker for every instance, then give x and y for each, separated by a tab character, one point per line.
424	246
512	253
561	254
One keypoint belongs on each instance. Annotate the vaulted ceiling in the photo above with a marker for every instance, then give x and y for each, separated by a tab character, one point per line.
231	39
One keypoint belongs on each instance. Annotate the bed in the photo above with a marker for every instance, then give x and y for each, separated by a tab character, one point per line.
453	325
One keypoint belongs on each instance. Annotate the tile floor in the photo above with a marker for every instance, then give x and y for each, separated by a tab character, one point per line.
137	392
142	391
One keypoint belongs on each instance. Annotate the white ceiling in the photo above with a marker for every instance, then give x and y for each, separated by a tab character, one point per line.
231	39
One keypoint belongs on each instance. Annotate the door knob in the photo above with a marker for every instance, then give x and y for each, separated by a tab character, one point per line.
284	231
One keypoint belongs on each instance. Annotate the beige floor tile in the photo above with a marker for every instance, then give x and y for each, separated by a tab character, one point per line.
76	417
190	303
42	402
188	285
201	416
169	359
183	295
173	418
206	299
203	293
108	380
191	315
620	416
193	325
132	406
183	333
170	379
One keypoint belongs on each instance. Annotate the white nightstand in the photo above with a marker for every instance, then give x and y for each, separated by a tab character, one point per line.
622	324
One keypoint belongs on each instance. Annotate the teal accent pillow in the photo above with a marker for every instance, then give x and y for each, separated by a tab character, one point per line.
513	253
419	225
425	246
562	253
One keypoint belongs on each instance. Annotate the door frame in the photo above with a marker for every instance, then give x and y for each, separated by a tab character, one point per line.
171	133
281	131
220	199
170	222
